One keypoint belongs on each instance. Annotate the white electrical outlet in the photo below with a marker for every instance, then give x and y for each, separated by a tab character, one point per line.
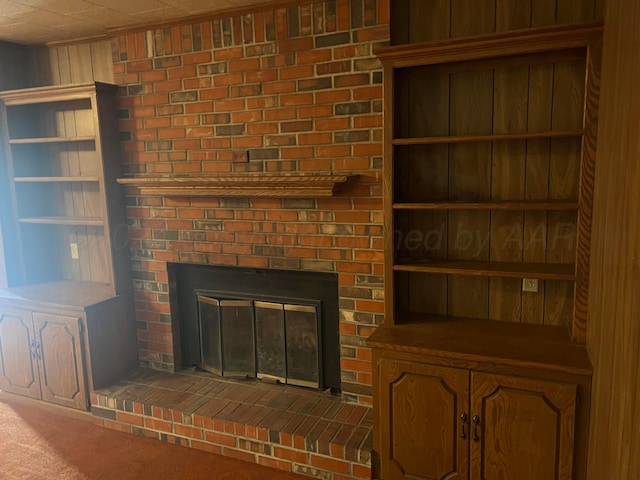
74	251
530	285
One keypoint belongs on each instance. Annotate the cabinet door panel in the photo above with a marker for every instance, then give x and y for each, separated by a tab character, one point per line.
61	360
421	429
525	430
18	367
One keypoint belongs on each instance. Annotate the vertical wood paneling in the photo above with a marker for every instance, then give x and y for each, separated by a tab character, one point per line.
77	63
511	85
470	164
543	13
537	183
436	24
507	182
472	17
428	179
613	333
513	14
415	21
574	11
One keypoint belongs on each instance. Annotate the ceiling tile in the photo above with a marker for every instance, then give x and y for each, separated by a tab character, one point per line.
42	21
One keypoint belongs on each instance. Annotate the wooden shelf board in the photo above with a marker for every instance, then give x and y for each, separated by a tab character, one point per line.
476	340
24	141
55	179
62	293
493	45
59	220
541	271
281	185
543	205
488	138
55	94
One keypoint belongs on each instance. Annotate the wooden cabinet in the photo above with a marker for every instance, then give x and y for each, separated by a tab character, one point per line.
435	422
20	371
58	349
521	428
489	164
41	357
421	431
64	255
451	423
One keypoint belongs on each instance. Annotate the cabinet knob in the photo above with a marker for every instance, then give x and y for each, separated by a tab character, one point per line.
463	420
476	422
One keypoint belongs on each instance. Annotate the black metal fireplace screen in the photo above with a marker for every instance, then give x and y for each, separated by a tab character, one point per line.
260	339
261	323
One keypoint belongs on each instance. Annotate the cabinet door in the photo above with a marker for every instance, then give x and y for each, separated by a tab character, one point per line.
18	364
61	360
422	434
524	428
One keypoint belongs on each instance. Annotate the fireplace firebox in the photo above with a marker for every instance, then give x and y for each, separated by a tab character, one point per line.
266	324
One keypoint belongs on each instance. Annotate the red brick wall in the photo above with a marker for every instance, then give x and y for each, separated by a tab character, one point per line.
299	89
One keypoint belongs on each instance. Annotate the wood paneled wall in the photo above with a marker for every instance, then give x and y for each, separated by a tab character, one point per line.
420	20
77	63
614	317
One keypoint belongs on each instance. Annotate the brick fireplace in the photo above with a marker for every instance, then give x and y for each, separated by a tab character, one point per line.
291	89
299	90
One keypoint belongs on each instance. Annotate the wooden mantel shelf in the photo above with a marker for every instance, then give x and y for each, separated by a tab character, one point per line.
280	185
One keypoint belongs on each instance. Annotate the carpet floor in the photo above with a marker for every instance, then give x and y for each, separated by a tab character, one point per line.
37	444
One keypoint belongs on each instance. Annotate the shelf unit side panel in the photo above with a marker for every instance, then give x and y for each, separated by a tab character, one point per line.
389	195
587	180
12	270
116	226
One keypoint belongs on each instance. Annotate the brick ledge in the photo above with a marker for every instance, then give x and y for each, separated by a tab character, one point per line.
292	429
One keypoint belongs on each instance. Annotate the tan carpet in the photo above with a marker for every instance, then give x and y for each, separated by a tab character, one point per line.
36	444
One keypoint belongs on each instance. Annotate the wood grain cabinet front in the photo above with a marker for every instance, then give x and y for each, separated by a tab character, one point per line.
438	423
424	410
41	357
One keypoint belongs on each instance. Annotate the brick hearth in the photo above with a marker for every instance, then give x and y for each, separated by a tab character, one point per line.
287	428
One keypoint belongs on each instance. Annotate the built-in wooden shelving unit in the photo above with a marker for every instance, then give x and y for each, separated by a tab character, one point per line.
68	292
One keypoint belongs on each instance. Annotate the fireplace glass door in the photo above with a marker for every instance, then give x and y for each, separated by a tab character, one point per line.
260	339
